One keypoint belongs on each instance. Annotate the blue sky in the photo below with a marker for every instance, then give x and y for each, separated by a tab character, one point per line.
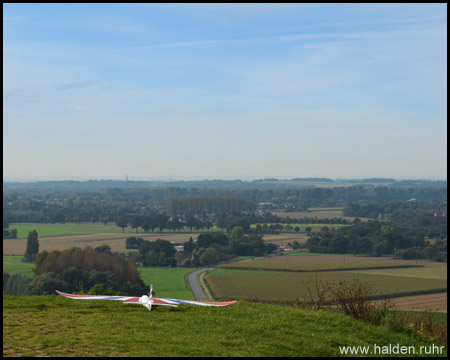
205	91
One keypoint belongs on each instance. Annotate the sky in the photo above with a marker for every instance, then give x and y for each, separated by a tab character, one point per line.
224	91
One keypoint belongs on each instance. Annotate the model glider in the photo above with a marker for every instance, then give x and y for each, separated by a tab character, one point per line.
144	300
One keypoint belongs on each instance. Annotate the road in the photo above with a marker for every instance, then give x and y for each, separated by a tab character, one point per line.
196	285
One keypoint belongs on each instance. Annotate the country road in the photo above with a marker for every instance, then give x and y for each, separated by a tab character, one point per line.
198	288
196	285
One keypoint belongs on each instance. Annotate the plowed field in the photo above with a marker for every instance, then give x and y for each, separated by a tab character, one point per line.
433	302
62	242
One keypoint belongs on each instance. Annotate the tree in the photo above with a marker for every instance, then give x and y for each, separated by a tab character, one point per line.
32	247
157	253
16	284
209	257
103	249
122	222
136	222
189	246
160	221
133	243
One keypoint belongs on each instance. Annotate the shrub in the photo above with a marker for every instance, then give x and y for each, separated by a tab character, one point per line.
321	289
353	299
16	284
424	323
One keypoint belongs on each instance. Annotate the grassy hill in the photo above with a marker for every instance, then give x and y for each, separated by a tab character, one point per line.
56	326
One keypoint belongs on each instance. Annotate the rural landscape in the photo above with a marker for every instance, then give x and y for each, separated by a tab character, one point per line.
224	179
275	255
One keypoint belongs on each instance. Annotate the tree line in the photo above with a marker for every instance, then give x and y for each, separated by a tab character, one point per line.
387	209
161	222
198	205
378	238
207	249
50	206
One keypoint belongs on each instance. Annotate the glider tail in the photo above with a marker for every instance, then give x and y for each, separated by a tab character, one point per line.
150	301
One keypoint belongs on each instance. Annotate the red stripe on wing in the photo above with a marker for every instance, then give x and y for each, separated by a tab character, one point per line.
219	303
159	301
72	295
133	300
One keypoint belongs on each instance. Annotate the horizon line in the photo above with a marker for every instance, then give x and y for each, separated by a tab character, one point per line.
193	179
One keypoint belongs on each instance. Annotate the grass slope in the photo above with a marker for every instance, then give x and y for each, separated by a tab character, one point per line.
56	326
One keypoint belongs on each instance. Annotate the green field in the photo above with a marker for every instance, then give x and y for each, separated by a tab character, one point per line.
79	229
281	286
312	212
434	272
319	213
67	229
324	262
88	228
167	283
56	326
14	265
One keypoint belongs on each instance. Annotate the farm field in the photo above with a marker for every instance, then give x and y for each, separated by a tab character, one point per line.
299	269
62	242
56	326
167	282
14	265
322	263
117	241
431	270
431	302
85	228
319	213
64	236
289	286
284	238
89	228
68	229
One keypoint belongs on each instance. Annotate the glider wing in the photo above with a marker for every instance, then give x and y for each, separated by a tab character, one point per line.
157	301
128	299
145	300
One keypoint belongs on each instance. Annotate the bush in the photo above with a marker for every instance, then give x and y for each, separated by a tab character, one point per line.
424	323
48	283
133	243
97	289
321	289
16	284
353	299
